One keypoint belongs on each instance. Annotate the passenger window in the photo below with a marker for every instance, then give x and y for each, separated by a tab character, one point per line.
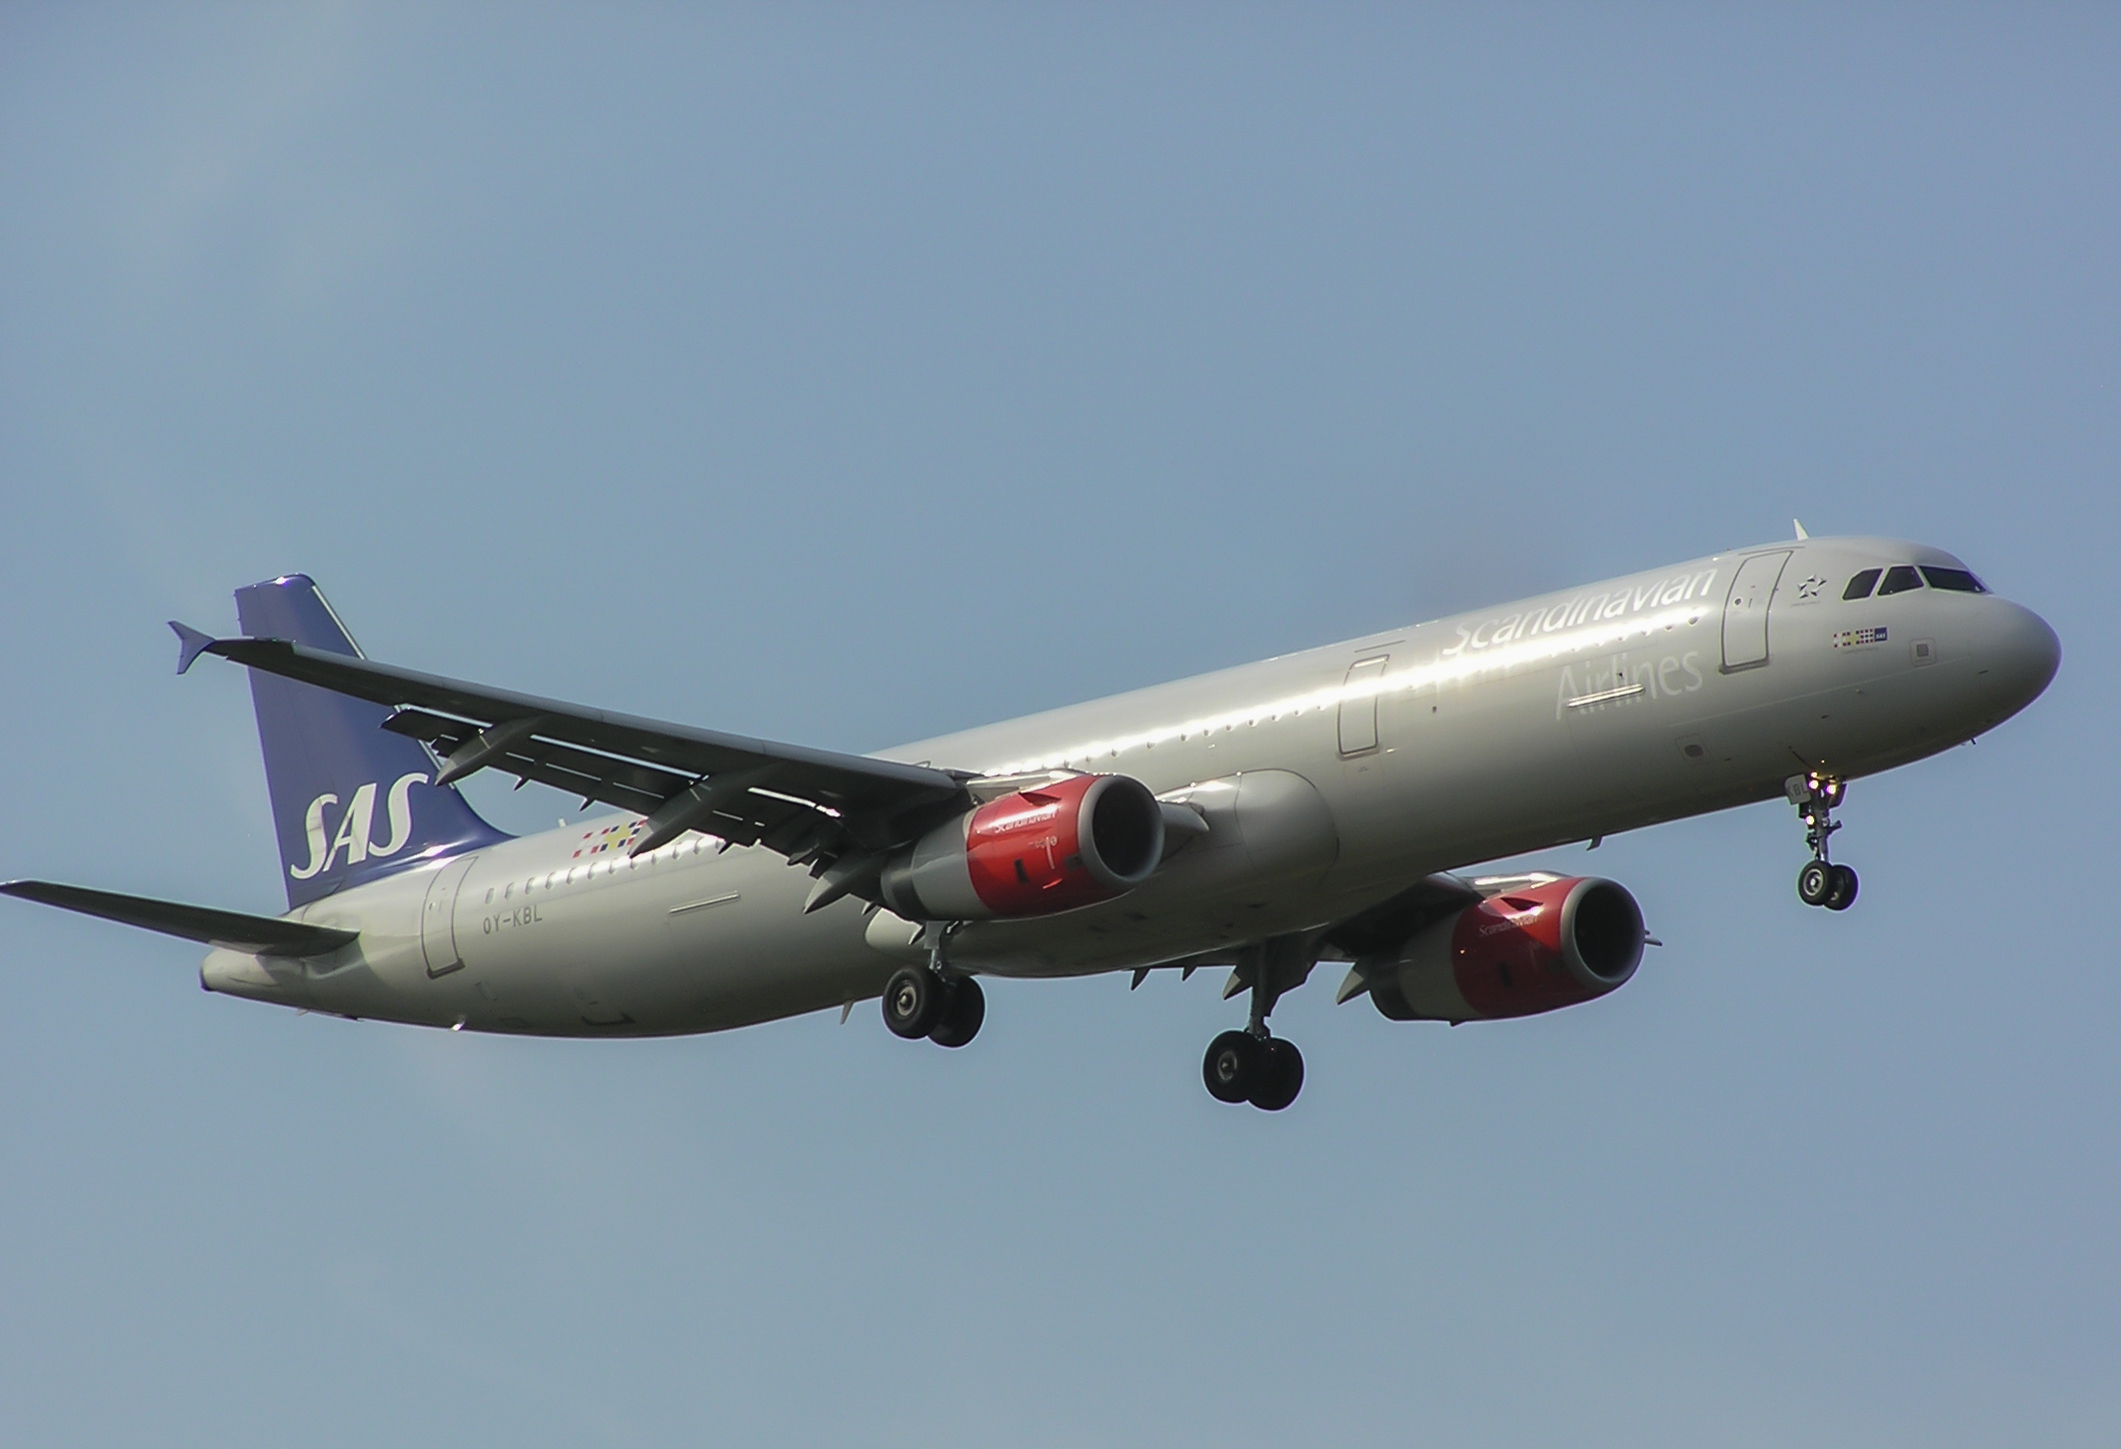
1959	581
1860	586
1898	580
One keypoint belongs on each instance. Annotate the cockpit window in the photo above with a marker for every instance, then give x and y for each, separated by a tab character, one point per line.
1860	586
1959	581
1899	579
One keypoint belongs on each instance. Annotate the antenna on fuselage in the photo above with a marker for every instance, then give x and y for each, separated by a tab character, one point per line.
1799	526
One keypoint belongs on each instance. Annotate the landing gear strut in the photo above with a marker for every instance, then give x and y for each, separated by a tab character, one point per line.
1821	882
1254	1065
935	1001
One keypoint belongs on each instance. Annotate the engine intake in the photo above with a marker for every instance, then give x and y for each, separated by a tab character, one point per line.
1051	848
1550	945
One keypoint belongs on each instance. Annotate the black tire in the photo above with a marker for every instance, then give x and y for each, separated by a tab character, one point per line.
914	999
1842	893
962	1017
1815	882
1231	1070
1282	1077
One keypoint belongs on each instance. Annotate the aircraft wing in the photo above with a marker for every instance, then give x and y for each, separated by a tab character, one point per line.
817	807
257	935
1394	919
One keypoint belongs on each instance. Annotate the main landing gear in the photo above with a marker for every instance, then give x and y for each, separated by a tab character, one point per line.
920	1002
1821	882
1264	1070
934	1001
1254	1065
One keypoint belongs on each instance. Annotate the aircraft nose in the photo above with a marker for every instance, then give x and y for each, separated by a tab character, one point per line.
2021	655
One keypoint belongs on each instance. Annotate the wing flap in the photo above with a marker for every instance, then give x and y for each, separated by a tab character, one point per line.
593	776
234	930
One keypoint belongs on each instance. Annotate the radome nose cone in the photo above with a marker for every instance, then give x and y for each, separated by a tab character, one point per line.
2027	654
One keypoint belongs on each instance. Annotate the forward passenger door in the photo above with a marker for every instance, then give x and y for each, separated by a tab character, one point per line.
1745	611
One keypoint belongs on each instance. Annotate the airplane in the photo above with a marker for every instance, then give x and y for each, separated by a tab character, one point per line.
1318	806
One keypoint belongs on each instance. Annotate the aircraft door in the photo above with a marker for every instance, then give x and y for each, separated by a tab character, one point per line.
1745	610
1358	705
438	917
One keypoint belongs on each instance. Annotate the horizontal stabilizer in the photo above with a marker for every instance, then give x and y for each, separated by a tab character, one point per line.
233	930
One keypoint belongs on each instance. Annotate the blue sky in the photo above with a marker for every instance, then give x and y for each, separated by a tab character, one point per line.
853	375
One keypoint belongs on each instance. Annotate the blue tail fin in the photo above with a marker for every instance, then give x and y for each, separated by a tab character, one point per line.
350	800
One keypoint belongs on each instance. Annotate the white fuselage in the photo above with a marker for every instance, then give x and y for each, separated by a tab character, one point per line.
1330	779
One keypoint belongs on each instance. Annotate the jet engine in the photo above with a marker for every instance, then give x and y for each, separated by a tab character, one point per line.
1551	944
1050	847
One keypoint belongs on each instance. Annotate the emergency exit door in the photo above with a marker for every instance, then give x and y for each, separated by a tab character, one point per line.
1358	705
438	917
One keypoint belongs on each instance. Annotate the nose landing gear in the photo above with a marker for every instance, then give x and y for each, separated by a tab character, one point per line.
1821	882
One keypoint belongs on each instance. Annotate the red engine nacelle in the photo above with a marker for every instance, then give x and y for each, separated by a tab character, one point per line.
1547	946
1074	842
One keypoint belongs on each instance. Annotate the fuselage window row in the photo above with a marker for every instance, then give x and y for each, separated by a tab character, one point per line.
583	874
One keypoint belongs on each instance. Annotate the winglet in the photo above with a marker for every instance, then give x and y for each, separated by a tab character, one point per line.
1799	526
190	644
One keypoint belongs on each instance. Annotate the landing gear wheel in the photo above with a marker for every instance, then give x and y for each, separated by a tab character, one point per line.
1282	1078
1841	891
914	1000
1234	1066
967	1008
1815	883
